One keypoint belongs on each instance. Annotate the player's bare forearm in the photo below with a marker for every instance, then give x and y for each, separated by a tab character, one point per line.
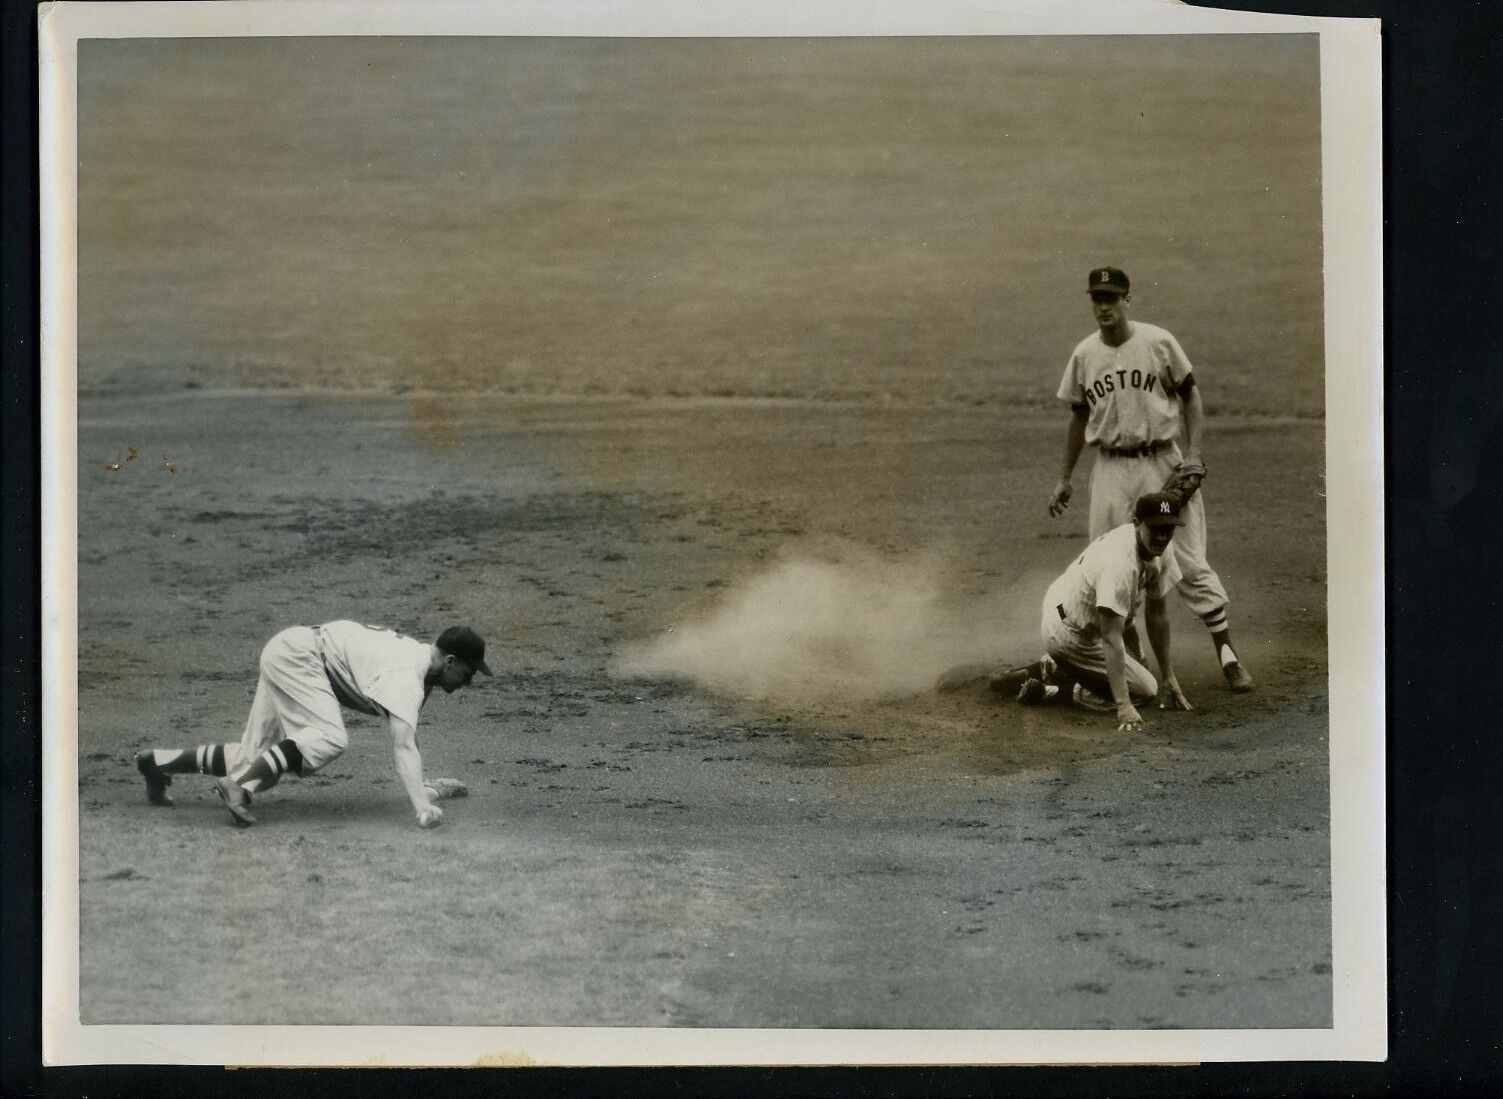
1116	657
409	764
1116	671
1074	444
1171	695
1111	624
1192	414
1156	617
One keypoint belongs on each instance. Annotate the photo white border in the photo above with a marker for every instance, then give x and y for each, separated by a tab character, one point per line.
1352	164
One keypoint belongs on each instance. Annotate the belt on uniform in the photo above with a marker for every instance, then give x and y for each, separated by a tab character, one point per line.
1147	450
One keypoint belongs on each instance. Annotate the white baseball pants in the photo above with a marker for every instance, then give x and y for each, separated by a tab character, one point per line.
295	702
1085	657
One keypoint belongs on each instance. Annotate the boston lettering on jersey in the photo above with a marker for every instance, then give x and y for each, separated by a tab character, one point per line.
1114	380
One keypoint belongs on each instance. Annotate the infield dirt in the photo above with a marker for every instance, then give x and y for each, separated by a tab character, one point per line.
716	390
645	852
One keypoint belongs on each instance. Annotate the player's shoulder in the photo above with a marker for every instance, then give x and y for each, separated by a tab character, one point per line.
349	627
367	634
1120	542
1108	546
1087	345
1155	333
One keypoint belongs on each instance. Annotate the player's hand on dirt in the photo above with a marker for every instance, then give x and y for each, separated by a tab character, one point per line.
1171	697
1128	718
430	816
1061	498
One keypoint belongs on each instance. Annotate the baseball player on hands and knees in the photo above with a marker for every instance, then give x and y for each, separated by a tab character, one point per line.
307	673
1133	396
1086	609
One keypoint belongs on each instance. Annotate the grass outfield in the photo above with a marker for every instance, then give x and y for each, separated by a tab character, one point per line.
867	218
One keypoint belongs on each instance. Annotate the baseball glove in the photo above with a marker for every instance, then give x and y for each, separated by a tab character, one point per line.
441	788
1184	482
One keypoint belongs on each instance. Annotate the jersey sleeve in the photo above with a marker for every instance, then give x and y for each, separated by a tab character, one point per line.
399	693
1176	363
397	686
1071	391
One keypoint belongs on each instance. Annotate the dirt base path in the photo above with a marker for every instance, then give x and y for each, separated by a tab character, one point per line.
647	851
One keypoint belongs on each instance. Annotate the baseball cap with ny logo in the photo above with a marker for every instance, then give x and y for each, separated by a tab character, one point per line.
1158	510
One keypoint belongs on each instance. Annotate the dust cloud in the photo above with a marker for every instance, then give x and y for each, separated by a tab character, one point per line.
842	625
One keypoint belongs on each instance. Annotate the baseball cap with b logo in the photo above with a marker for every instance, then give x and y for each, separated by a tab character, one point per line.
1109	280
1158	510
465	643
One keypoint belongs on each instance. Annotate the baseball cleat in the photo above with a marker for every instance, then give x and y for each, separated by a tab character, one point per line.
1009	680
1032	692
1088	699
157	780
236	800
1237	677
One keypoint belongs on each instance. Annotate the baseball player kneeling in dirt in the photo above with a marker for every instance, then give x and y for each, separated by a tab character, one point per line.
1133	396
1085	610
307	673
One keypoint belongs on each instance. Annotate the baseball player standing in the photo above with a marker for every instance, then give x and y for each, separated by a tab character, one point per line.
307	673
1133	396
1086	611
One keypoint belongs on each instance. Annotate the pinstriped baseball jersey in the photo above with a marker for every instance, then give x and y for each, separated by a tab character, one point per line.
1132	391
374	670
1111	574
